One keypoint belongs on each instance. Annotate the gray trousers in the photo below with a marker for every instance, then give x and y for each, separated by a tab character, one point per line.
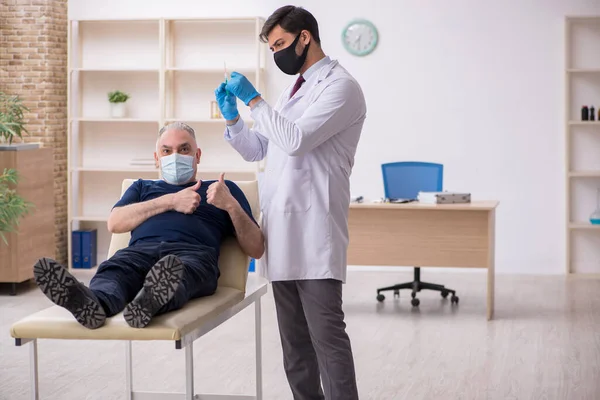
316	347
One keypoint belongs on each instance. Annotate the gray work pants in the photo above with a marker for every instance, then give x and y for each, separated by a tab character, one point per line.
316	347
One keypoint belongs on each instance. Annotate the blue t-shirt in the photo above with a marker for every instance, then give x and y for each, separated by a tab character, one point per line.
207	226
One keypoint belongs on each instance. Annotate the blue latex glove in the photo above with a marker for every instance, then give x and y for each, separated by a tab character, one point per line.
227	103
241	87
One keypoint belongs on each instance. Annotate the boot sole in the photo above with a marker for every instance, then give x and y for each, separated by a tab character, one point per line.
64	290
160	285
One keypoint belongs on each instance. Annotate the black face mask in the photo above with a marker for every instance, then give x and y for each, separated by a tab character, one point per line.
288	61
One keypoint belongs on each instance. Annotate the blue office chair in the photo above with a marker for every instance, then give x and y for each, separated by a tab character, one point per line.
404	180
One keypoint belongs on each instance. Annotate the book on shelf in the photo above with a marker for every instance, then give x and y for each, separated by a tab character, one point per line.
444	197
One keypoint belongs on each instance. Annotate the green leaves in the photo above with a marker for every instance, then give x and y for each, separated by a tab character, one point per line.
12	206
12	124
12	117
118	97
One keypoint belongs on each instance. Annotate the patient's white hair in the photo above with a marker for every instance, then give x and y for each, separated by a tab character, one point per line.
182	126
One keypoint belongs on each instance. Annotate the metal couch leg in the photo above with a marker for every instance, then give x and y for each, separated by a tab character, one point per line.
128	371
189	371
258	337
33	353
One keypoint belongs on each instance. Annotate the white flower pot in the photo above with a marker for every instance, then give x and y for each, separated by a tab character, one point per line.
117	110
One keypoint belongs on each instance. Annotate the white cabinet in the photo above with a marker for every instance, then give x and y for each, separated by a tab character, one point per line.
582	143
170	69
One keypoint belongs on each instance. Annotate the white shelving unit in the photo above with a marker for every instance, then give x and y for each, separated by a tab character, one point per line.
170	68
582	139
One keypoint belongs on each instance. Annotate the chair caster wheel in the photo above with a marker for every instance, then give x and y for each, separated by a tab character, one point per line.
380	298
445	293
415	302
454	299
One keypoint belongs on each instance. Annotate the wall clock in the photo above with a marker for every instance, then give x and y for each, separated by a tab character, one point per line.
360	37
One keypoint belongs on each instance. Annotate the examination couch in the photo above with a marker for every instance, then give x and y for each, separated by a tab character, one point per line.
236	291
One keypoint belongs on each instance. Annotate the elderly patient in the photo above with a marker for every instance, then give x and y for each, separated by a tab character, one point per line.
177	226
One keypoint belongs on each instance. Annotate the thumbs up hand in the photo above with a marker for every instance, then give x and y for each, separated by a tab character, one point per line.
218	194
187	200
196	187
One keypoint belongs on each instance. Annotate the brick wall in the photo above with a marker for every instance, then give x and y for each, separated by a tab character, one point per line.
33	64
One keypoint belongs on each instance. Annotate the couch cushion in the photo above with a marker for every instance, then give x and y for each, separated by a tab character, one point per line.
57	323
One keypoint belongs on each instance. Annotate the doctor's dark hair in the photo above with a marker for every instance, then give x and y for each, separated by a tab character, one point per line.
293	20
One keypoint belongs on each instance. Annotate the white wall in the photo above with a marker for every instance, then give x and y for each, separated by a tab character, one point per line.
476	85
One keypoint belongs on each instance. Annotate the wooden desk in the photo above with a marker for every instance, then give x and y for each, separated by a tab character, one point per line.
425	235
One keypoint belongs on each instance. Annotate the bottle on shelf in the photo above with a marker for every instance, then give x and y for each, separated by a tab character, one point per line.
592	113
595	217
585	113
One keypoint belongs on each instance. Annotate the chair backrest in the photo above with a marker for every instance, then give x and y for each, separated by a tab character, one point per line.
233	263
404	180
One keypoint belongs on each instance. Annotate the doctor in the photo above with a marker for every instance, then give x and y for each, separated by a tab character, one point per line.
309	140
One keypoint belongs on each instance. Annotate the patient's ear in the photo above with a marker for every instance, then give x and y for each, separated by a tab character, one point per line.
156	163
198	155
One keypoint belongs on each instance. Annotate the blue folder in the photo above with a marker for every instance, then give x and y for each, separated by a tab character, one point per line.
76	248
85	248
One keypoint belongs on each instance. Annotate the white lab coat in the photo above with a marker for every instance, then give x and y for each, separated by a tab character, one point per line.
309	141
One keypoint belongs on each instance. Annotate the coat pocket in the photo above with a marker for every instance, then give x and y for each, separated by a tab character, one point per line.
293	193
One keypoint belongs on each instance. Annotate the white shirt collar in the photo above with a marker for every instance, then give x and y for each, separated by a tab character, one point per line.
315	67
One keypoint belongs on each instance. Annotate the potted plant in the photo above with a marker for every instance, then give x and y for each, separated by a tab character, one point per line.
12	123
12	206
117	101
29	237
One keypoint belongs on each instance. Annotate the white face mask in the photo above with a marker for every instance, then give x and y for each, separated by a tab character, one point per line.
176	168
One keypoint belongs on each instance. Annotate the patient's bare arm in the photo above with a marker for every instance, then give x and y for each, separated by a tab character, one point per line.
248	234
127	218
